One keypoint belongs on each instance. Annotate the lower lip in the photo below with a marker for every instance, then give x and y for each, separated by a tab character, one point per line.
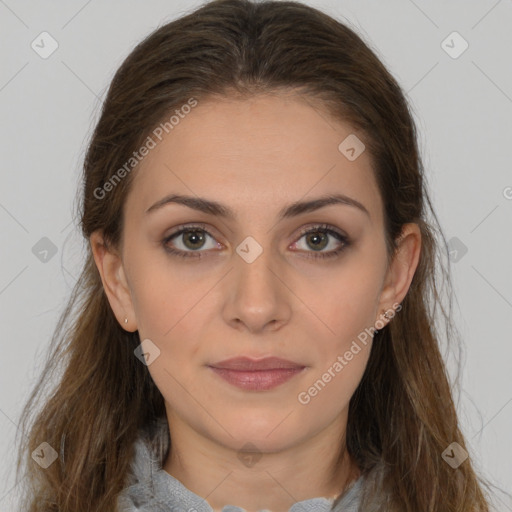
257	380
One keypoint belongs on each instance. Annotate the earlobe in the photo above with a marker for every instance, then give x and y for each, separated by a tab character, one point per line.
402	268
111	269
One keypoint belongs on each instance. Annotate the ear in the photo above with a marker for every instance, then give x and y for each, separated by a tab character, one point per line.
111	269
400	271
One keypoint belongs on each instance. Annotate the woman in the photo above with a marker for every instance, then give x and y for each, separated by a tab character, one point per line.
254	325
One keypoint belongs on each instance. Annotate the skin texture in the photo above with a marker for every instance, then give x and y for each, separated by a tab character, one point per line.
255	156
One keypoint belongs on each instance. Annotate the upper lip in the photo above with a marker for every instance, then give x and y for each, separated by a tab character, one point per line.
248	364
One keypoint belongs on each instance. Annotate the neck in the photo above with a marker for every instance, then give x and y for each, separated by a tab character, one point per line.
306	470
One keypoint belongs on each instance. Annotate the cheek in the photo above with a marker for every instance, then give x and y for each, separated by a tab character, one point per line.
345	301
333	381
340	360
348	303
166	297
172	320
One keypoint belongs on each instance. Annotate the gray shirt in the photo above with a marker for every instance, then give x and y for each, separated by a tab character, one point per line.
153	489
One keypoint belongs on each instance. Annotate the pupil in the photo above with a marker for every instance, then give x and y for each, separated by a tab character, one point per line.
317	238
195	236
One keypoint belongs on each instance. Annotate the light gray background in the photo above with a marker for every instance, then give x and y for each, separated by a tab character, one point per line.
463	107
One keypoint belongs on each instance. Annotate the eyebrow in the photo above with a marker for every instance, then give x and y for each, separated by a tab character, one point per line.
292	210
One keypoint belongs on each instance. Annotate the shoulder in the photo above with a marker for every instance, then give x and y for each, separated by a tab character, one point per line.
350	499
149	451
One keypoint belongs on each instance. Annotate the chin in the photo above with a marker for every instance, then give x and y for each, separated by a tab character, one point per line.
268	436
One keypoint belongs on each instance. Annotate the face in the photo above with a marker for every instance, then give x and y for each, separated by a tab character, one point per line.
302	286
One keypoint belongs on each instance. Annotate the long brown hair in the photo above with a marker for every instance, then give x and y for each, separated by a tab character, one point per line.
402	415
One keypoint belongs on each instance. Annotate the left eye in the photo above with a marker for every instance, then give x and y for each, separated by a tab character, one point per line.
318	237
193	239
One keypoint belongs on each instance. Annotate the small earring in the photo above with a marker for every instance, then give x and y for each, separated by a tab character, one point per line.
385	315
125	320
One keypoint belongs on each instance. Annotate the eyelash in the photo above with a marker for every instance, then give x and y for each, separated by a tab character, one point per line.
321	228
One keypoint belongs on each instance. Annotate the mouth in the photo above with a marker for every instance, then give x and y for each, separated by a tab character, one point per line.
256	375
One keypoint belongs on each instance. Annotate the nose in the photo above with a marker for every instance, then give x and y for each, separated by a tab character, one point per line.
258	298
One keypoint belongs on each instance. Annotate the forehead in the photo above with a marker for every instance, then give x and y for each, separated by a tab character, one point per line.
255	155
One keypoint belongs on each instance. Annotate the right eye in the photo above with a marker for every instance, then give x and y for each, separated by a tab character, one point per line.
191	239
